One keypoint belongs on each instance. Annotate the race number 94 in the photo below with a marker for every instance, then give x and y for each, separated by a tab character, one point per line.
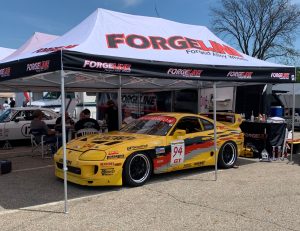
177	152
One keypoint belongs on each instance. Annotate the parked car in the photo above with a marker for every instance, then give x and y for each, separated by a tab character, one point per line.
155	143
15	122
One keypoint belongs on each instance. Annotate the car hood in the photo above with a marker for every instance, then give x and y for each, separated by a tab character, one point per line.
113	140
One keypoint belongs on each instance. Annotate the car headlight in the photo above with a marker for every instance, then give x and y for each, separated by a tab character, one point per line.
93	155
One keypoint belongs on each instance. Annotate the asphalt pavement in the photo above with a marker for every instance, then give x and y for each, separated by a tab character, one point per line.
254	196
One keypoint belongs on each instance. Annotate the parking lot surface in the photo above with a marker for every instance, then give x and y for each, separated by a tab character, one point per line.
255	196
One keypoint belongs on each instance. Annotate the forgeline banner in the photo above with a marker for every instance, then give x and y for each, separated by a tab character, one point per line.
29	67
145	68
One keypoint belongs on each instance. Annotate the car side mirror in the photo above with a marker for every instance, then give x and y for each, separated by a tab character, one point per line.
179	133
17	120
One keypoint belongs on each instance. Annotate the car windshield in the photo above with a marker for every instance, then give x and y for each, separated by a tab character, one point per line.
6	115
151	125
51	95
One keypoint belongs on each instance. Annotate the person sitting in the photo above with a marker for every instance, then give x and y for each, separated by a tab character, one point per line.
86	122
69	124
39	125
58	122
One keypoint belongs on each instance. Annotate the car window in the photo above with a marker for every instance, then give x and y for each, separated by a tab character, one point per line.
206	124
189	124
47	115
7	115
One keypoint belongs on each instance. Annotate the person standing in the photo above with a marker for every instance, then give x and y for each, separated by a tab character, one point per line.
111	116
5	105
12	102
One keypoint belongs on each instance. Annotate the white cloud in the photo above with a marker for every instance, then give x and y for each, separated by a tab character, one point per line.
132	2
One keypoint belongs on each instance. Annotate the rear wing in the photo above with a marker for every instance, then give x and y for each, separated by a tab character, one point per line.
229	119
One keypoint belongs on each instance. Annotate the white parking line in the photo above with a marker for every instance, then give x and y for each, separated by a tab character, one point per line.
30	169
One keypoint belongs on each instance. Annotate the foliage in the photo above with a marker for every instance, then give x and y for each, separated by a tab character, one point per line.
260	28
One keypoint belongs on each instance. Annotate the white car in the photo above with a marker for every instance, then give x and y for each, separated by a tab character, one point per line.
15	122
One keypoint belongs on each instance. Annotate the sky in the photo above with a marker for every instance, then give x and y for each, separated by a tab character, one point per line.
19	19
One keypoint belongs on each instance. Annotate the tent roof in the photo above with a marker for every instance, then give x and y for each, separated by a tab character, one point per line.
147	52
35	41
4	52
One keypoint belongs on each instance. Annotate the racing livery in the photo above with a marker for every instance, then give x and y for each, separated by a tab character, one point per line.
155	143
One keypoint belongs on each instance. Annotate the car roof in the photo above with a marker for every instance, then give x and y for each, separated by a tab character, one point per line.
31	108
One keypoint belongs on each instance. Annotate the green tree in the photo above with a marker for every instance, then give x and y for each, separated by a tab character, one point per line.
260	28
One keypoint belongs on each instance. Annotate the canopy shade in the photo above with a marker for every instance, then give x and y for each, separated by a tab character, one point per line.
109	44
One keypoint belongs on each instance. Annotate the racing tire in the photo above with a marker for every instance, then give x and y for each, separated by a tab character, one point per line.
137	169
227	155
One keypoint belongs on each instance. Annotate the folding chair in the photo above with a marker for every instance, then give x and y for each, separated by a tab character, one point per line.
86	131
40	143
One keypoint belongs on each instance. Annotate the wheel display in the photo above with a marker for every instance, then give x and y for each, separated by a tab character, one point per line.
137	169
227	155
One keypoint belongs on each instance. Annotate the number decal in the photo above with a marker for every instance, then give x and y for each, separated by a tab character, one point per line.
177	152
25	130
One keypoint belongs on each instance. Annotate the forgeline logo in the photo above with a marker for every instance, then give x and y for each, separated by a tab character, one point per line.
240	74
170	43
5	72
280	75
52	49
38	66
185	72
119	67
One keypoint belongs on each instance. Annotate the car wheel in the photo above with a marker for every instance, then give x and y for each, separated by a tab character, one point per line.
137	169
227	155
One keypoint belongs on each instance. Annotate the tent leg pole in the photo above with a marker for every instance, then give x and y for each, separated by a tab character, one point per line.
199	101
63	120
293	123
215	130
120	102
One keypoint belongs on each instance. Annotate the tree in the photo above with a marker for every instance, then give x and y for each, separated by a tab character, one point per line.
260	28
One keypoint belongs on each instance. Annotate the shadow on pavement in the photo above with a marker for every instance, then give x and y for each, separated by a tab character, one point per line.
32	182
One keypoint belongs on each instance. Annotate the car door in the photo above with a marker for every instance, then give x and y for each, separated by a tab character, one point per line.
198	144
18	127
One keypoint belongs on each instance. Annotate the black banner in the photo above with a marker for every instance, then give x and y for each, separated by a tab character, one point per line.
134	67
143	68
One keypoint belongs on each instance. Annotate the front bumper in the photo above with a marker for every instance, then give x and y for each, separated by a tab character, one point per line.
92	173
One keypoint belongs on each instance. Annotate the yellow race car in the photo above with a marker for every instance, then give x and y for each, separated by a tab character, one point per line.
155	143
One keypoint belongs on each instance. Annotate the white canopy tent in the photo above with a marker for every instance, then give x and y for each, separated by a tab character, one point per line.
111	50
4	52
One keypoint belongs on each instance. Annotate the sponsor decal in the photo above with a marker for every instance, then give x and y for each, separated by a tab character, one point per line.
38	66
240	74
52	49
107	171
160	150
185	72
143	146
107	164
175	42
167	119
200	163
5	72
187	165
119	156
280	75
118	67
